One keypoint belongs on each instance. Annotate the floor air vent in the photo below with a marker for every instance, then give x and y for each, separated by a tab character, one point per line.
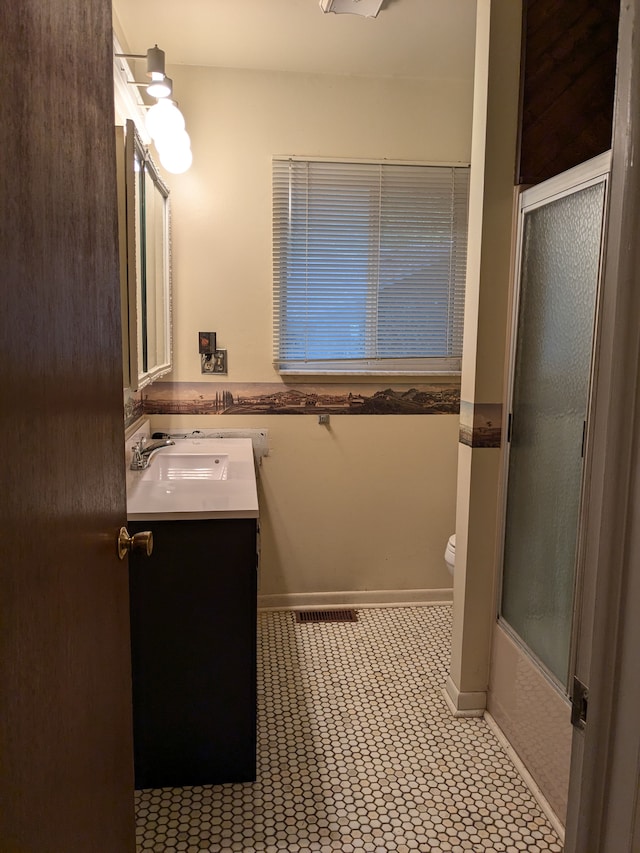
313	616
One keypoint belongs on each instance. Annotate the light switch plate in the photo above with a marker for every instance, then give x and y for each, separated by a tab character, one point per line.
207	342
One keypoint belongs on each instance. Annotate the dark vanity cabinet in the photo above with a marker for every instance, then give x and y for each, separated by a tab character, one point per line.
193	641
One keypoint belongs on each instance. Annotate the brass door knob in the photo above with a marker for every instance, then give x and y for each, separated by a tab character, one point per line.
141	542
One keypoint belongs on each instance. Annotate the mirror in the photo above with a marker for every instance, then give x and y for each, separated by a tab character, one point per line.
145	263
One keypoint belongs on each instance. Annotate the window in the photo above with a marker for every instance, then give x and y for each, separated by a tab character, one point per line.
369	266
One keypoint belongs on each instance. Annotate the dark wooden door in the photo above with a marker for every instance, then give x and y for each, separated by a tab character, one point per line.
65	717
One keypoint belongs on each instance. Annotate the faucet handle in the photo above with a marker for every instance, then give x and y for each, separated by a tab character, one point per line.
136	452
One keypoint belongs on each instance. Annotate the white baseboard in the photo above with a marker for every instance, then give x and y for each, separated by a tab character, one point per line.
529	781
461	704
355	598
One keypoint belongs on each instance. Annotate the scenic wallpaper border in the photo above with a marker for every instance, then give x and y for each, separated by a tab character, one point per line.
133	407
274	398
480	424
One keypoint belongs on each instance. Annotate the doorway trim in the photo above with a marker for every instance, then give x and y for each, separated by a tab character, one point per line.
603	814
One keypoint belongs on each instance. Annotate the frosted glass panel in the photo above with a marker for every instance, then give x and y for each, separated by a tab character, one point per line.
559	275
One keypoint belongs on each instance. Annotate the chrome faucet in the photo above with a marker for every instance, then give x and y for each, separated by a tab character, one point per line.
142	451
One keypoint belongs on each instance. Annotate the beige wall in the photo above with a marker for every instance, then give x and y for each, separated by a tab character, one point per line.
365	505
222	207
498	28
369	503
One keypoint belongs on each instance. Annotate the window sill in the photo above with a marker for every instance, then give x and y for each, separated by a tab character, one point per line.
392	367
339	375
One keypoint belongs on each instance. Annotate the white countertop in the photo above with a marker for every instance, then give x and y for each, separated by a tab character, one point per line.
195	479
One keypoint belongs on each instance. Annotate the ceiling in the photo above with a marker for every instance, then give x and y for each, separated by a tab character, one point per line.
425	39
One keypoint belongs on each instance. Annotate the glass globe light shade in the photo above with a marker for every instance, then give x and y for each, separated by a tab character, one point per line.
161	88
176	160
164	117
166	141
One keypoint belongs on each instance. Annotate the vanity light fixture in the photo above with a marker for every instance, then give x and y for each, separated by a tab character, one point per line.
155	63
160	86
164	121
165	125
176	159
365	8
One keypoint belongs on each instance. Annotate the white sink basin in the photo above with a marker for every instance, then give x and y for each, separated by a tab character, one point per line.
196	478
186	466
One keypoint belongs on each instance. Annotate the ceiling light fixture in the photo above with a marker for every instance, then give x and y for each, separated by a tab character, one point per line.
366	8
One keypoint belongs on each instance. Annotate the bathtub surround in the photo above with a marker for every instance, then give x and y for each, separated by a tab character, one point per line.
530	713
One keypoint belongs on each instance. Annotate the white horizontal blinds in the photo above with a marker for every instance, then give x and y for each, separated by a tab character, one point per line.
422	262
368	265
327	242
458	269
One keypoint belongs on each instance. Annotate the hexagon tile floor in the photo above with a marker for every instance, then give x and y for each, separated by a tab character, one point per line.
357	751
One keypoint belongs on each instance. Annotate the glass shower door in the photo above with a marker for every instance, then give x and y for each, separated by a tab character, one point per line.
559	272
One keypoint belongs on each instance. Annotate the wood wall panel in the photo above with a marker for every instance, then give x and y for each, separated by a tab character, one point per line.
568	79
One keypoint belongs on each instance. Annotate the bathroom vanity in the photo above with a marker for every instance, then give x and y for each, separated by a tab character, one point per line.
193	616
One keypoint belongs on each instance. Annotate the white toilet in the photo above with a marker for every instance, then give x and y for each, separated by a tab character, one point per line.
450	553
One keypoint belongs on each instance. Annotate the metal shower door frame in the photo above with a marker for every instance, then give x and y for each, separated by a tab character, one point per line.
590	173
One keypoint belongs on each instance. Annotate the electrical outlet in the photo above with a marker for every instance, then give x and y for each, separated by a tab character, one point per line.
207	363
215	362
220	361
